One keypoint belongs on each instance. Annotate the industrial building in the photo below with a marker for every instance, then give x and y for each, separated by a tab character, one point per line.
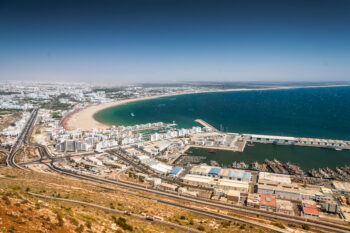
310	209
277	178
268	202
222	173
284	207
341	187
176	171
211	182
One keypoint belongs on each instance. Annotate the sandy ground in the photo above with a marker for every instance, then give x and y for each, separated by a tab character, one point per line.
84	119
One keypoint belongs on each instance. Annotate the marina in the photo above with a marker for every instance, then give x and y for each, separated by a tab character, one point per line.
307	157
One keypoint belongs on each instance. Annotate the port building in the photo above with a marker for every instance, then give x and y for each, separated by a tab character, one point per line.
216	183
274	177
176	171
341	187
268	202
222	173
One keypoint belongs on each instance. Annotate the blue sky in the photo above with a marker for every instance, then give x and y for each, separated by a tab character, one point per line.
175	40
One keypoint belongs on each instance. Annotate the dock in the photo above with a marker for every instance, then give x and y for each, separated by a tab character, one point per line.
206	124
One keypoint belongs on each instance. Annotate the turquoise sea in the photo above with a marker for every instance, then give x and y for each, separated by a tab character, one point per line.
305	112
322	112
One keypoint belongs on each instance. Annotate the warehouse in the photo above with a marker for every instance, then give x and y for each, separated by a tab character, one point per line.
176	171
284	207
214	172
234	174
278	178
341	187
210	182
202	181
225	184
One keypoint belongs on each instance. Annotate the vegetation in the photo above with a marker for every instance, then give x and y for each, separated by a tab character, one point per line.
122	223
58	216
306	227
56	115
280	225
37	131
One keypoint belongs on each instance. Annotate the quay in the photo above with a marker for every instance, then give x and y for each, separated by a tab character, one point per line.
207	125
314	142
283	140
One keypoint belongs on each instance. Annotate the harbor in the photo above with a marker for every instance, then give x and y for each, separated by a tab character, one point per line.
283	140
307	157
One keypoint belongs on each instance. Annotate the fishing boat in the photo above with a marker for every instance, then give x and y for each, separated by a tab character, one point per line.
132	114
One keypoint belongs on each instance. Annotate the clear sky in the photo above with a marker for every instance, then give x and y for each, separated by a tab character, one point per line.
175	40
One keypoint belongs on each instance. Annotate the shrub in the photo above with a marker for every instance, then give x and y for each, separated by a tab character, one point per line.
88	224
79	229
7	200
280	225
122	223
73	221
60	220
201	228
182	217
306	227
226	224
14	187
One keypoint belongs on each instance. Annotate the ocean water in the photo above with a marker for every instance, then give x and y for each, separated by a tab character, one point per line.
303	112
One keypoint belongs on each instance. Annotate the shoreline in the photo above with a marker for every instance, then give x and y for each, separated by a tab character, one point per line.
84	118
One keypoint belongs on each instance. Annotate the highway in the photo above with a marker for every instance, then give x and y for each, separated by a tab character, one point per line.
22	139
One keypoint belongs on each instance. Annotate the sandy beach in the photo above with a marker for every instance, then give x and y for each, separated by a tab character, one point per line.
84	119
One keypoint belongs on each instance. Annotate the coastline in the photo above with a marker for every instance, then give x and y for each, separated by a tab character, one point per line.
84	118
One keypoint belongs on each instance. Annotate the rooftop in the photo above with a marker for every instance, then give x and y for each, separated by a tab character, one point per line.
310	209
266	199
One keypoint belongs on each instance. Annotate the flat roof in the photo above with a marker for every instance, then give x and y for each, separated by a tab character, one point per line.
267	199
341	186
197	178
275	177
214	171
310	209
175	170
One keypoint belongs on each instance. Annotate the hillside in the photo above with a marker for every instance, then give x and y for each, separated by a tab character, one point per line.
21	211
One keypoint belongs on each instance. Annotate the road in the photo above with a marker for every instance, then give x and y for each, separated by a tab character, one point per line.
114	211
22	139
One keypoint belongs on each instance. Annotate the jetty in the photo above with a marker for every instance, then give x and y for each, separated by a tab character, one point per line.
207	125
313	142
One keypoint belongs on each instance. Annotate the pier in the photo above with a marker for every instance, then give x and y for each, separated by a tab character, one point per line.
207	125
283	140
313	142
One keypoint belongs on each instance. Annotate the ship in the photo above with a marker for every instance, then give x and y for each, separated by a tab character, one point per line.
132	114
